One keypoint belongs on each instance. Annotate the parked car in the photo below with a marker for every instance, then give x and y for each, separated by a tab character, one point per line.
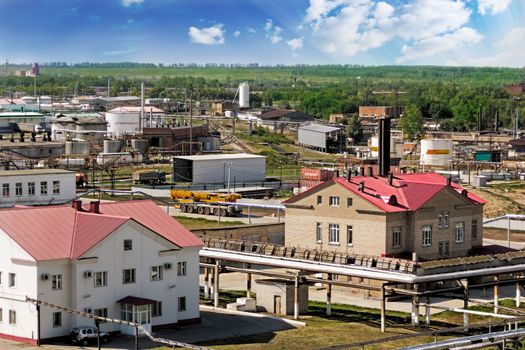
86	335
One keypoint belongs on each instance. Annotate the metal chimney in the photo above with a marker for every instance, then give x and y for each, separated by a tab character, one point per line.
384	146
94	207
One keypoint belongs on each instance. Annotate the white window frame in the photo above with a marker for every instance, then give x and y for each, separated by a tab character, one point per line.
31	188
459	232
19	190
156	273
333	201
6	190
318	232
56	282
56	187
132	276
43	188
101	276
396	236
333	234
182	268
446	219
474	229
426	236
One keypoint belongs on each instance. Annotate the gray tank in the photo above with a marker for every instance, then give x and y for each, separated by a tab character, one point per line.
112	146
77	148
140	145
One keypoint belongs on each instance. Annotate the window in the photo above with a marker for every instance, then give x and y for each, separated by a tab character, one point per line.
156	273
56	187
126	312
100	279
474	228
459	232
334	201
318	232
427	236
18	189
57	319
156	309
181	268
56	282
333	236
12	280
12	317
128	276
349	234
440	224
0	278
396	237
30	188
319	200
5	190
103	312
445	219
182	303
1	315
349	202
128	244
43	188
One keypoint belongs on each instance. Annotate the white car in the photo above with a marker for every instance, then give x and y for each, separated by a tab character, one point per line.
85	335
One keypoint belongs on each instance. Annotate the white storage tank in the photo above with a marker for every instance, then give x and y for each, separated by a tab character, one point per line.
122	122
436	152
140	145
77	148
120	157
244	95
112	146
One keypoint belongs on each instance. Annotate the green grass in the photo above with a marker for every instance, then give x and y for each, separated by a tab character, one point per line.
198	223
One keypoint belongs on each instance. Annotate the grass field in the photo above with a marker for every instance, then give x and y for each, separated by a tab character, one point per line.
198	223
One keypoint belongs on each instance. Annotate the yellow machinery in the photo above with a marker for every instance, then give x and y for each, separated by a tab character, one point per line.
206	202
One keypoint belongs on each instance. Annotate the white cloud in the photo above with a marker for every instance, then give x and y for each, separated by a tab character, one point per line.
213	35
127	3
295	44
508	52
236	33
494	6
251	30
438	44
347	27
273	32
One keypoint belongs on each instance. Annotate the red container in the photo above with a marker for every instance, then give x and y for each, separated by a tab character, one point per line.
317	174
309	183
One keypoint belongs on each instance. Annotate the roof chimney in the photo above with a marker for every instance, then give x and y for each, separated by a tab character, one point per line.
370	171
336	173
362	170
390	179
384	145
362	186
449	181
77	205
94	207
349	175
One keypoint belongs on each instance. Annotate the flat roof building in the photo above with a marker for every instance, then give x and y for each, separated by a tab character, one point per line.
322	138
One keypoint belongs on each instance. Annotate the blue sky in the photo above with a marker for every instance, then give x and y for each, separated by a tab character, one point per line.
369	32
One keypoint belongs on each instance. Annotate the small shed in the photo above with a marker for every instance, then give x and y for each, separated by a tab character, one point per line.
277	296
322	138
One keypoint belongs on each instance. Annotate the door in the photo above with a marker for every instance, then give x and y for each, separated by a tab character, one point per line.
277	304
444	249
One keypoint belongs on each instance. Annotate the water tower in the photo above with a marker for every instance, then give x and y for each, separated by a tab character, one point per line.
244	95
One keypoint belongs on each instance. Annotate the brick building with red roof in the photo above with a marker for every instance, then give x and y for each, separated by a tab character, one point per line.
100	259
398	215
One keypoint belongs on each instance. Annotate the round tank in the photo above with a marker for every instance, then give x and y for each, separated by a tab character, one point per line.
244	95
140	145
121	122
436	152
112	146
77	147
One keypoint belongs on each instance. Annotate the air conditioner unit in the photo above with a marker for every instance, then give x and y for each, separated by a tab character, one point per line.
87	274
167	266
44	276
88	310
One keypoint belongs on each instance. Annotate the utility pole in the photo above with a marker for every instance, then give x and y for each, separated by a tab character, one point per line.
108	87
191	120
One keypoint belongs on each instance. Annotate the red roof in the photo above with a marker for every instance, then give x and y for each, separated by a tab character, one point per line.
59	232
410	191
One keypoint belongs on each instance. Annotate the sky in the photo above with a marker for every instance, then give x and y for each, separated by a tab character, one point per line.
268	32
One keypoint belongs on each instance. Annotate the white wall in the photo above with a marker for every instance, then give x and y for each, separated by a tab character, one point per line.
242	170
67	189
13	259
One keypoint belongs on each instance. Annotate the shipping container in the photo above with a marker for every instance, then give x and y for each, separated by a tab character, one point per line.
309	183
317	174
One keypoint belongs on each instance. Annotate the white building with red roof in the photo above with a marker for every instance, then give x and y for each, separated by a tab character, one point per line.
125	260
399	215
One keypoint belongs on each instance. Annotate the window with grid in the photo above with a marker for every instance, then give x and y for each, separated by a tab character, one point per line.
349	202
100	279
459	232
18	189
396	237
56	187
156	273
56	282
5	190
102	312
333	236
128	276
474	230
181	268
427	236
318	232
30	188
445	219
43	187
334	201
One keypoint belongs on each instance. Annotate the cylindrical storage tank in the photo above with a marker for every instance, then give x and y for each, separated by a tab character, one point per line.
92	129
61	129
436	152
112	146
244	95
140	145
121	123
77	148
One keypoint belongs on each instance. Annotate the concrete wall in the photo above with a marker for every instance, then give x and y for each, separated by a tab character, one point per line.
67	189
272	233
311	138
216	171
267	291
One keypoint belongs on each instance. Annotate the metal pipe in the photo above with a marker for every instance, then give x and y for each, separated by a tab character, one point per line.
296	298
329	297
216	284
383	309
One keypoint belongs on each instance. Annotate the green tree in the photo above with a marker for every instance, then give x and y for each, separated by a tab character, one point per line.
412	123
354	129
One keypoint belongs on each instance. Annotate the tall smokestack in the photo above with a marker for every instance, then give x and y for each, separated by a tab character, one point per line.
141	119
384	146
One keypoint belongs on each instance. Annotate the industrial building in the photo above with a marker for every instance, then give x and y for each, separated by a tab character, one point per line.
174	137
36	187
220	168
285	115
322	138
91	127
123	260
423	214
219	108
126	120
373	112
9	120
109	103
